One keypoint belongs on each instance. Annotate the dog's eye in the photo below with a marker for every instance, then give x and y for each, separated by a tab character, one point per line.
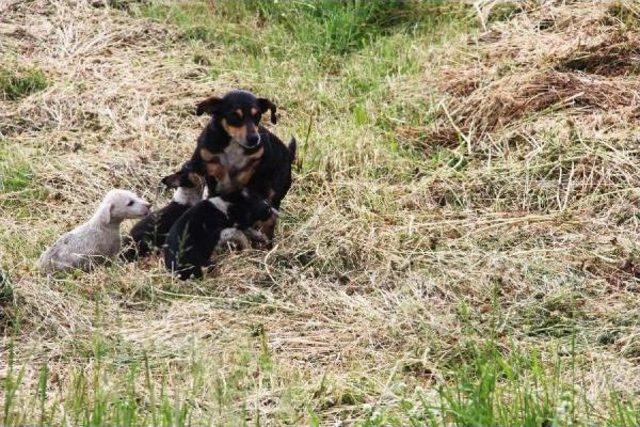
235	117
130	203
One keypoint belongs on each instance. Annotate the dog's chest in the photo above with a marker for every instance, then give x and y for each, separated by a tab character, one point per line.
233	167
234	157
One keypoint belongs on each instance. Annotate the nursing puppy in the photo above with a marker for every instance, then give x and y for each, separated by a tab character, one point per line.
97	240
193	238
151	231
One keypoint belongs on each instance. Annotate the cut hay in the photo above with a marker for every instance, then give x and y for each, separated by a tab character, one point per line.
518	95
616	54
582	59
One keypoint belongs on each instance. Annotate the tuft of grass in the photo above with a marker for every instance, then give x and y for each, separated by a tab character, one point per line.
340	27
15	178
498	389
325	29
18	83
17	186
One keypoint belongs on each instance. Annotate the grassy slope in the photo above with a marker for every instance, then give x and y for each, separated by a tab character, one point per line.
408	285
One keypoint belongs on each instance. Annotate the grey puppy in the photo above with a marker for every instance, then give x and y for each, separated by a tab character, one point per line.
97	240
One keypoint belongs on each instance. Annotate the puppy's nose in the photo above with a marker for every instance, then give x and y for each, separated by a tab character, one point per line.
253	139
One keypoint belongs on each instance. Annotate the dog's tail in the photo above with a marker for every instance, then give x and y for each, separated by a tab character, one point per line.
293	146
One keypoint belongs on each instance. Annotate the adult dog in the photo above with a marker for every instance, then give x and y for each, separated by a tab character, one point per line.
237	152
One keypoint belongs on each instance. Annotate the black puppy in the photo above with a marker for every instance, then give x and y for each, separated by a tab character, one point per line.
151	231
237	152
194	236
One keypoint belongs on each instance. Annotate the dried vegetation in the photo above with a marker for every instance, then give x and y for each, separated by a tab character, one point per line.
460	245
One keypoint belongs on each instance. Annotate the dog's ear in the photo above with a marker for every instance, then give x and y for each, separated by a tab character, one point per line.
265	105
210	105
195	179
173	180
105	213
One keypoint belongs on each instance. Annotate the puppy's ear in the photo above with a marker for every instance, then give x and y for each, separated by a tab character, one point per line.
172	181
195	179
195	165
265	105
105	213
210	106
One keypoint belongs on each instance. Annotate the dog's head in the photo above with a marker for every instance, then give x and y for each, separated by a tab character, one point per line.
122	204
188	182
187	177
239	112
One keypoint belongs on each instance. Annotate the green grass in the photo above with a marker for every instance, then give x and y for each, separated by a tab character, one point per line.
15	177
325	29
110	391
16	83
17	186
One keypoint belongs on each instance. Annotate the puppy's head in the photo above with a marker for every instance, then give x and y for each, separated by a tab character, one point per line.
188	177
122	204
239	112
188	183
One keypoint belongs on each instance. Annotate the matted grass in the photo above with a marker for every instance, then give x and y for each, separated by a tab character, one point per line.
459	246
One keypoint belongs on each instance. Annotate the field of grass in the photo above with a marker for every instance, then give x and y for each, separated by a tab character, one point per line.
460	246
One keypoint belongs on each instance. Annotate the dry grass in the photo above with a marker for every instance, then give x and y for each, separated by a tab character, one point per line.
489	231
552	57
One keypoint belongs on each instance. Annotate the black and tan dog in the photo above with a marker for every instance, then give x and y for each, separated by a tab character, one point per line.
235	147
237	152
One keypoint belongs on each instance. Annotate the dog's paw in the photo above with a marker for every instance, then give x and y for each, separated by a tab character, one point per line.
233	238
258	239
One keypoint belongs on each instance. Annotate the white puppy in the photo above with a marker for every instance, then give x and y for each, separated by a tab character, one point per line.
97	240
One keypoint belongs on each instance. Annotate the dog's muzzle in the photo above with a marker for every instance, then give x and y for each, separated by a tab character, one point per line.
251	142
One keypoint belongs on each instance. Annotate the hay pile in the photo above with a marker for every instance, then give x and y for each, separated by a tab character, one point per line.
579	59
540	111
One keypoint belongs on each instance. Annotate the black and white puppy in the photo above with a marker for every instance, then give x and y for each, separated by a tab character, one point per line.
195	235
150	233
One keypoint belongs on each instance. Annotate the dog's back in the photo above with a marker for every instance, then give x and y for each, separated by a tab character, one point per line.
151	231
193	237
196	233
272	178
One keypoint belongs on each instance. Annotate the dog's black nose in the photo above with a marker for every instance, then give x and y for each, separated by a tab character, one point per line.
253	139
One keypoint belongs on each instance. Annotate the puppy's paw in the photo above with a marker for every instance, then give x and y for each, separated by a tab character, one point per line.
234	239
258	239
